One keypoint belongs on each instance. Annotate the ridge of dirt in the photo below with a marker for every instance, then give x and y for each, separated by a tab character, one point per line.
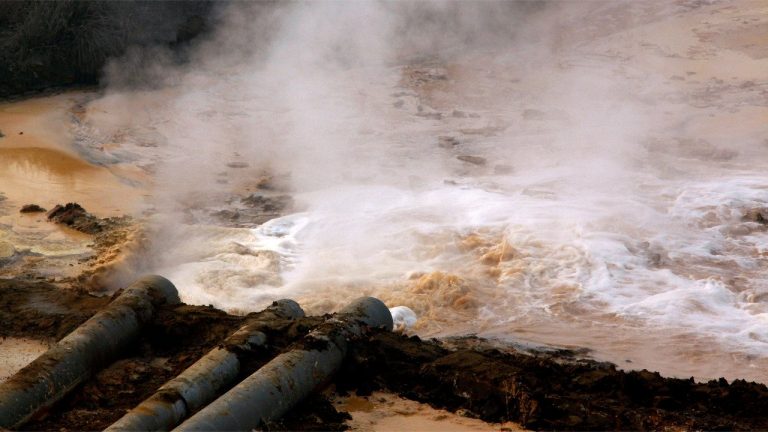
497	383
548	390
41	310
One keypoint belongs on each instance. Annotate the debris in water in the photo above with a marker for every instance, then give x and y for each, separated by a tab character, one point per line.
474	160
759	215
268	204
238	165
7	251
32	208
447	142
503	169
75	216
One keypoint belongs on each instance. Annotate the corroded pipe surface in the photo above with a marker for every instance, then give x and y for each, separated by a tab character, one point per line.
203	381
274	389
87	349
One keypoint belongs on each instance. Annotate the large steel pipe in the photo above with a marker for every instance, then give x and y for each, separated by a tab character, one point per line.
274	389
202	382
88	348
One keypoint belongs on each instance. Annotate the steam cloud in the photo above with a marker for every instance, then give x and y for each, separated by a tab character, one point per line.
478	162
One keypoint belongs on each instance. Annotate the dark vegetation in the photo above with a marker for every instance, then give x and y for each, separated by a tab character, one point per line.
47	44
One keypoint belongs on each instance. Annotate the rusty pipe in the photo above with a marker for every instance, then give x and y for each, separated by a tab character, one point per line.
274	389
199	384
88	348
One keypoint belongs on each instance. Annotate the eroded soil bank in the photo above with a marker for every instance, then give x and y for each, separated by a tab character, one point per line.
552	389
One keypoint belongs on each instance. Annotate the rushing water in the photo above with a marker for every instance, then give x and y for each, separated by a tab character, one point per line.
588	191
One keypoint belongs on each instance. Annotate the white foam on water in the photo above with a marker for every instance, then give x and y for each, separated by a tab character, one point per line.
234	268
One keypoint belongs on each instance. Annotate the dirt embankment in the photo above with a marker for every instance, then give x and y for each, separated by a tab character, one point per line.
540	390
548	390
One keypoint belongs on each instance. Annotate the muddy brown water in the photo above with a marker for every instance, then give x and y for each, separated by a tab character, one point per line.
39	165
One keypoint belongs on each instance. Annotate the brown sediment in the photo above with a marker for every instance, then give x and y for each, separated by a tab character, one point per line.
86	253
547	390
117	252
438	298
32	208
74	216
38	309
750	39
50	176
36	122
382	411
40	163
254	209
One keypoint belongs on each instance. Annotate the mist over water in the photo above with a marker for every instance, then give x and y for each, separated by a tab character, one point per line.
570	173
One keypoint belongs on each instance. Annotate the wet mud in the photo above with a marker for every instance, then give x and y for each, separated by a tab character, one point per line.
75	217
548	390
539	389
41	310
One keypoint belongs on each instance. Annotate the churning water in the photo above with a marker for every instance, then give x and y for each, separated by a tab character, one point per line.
584	182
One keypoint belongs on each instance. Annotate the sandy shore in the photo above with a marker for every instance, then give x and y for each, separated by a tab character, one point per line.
385	412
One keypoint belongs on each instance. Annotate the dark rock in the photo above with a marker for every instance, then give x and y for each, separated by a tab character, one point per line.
230	215
459	114
475	160
74	216
253	210
268	204
398	104
1	134
7	252
430	115
238	165
447	142
32	208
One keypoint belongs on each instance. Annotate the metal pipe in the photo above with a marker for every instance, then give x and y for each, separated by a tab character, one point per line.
274	389
199	384
88	348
